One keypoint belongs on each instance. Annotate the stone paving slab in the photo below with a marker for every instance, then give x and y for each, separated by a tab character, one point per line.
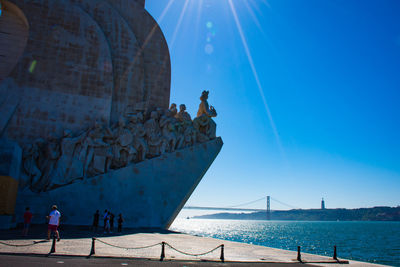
233	251
39	261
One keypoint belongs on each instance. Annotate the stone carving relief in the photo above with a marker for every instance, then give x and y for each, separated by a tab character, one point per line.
203	123
135	138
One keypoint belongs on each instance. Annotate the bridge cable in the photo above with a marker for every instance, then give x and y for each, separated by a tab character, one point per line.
283	203
247	203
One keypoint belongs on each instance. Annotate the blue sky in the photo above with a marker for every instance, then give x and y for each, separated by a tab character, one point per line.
307	95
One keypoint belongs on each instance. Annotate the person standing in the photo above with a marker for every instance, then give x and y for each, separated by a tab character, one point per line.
112	216
120	221
54	222
107	223
27	221
105	219
96	217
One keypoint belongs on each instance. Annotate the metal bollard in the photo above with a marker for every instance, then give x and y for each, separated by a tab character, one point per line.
162	251
334	253
222	253
298	254
53	246
92	250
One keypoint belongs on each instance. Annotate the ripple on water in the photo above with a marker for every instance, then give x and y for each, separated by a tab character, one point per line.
377	242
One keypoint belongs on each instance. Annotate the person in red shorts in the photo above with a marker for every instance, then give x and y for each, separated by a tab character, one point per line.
54	221
27	221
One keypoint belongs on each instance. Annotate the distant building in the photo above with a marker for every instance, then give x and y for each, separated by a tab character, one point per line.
322	204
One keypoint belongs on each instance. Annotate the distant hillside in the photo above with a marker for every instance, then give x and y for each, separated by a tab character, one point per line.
364	214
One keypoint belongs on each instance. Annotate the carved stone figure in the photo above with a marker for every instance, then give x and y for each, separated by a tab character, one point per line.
48	165
189	134
123	150
68	166
169	131
30	160
154	138
182	115
173	109
204	108
51	153
205	126
139	143
99	153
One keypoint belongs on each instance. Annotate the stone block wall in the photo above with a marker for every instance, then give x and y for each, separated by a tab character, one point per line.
13	37
157	66
85	60
10	158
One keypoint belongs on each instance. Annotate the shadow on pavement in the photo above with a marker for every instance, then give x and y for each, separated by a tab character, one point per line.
39	231
19	260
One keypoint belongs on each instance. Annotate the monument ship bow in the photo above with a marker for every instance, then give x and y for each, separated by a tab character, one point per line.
86	120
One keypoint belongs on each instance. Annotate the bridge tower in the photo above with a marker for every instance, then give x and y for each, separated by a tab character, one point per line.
268	208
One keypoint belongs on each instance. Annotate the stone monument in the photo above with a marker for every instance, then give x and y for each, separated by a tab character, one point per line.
86	120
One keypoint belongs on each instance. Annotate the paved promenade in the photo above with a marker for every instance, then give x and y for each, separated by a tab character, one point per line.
140	244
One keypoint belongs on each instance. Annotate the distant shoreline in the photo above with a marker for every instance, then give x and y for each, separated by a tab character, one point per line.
361	214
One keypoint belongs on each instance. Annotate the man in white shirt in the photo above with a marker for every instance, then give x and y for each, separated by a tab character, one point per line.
54	221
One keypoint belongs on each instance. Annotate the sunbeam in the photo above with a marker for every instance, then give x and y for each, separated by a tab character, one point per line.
265	2
151	33
253	68
254	17
198	17
178	25
159	20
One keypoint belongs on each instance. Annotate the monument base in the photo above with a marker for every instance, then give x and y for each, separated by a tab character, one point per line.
8	195
7	222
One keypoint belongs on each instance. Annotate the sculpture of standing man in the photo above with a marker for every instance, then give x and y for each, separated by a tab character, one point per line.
203	122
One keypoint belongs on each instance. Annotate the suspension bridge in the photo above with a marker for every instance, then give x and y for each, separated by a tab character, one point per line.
242	207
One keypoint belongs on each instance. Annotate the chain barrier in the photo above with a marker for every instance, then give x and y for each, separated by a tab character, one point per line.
190	254
334	257
16	245
163	244
126	247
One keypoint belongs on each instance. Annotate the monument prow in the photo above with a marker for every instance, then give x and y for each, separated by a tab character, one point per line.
84	90
148	194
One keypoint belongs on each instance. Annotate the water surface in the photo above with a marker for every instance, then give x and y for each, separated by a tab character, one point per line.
376	242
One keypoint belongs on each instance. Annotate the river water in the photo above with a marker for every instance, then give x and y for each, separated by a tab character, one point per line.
375	242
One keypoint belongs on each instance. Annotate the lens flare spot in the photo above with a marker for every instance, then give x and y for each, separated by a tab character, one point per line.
209	49
32	66
209	24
